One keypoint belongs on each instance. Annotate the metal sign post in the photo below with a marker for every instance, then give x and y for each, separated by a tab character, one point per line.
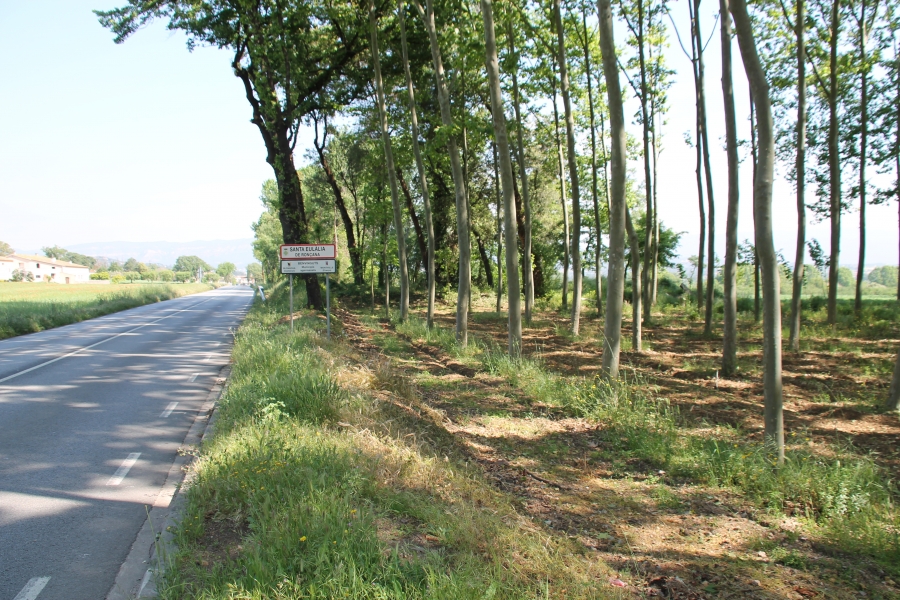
310	259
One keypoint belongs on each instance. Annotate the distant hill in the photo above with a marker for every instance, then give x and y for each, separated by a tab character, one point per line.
239	252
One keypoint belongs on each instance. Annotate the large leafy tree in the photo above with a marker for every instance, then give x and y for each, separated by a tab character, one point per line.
292	57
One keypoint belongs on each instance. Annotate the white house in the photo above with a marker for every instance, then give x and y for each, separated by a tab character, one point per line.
44	269
6	268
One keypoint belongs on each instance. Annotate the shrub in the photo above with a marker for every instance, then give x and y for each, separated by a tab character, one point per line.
100	276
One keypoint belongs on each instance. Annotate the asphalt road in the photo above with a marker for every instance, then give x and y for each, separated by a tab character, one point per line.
91	418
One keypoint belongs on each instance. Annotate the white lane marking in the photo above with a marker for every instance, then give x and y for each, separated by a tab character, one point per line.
32	588
168	410
207	357
193	378
14	375
122	471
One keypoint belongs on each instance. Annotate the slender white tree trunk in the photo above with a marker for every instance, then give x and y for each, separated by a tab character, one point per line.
729	334
462	213
389	165
514	300
615	279
423	181
765	246
573	169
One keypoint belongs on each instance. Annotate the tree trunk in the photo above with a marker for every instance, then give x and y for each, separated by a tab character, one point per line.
574	185
729	334
654	252
698	146
635	242
497	198
863	141
590	93
711	212
527	269
834	166
417	225
648	178
506	176
485	259
765	246
754	157
356	265
462	215
389	165
562	200
893	401
420	167
615	279
800	255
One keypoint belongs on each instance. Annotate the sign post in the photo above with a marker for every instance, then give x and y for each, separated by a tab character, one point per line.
310	259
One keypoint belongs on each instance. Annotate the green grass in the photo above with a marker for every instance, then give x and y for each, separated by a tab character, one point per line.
31	307
321	493
846	498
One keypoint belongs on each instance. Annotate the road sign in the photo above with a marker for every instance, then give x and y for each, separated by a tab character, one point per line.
308	252
308	266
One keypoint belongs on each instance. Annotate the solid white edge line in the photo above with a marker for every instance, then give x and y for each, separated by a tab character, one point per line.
32	588
14	375
168	410
122	471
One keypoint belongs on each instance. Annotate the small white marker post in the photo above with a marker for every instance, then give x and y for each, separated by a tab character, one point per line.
291	277
328	304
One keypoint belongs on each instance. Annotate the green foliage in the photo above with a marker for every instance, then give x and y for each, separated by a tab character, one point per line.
191	264
886	276
225	270
22	275
166	275
100	276
184	276
5	249
72	257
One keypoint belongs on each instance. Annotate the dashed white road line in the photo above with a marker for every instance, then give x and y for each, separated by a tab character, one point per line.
32	588
193	378
168	410
122	471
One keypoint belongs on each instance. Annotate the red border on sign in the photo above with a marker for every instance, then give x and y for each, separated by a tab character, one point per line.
332	257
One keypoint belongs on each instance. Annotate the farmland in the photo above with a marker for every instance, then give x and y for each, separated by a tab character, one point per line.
32	307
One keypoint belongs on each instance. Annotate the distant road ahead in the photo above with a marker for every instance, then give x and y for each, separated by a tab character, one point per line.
91	418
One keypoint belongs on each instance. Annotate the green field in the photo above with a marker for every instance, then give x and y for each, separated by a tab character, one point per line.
31	307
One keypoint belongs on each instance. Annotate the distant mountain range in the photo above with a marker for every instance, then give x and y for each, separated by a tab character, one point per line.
239	252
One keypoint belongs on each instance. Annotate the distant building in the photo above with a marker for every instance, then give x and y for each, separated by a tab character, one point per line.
6	267
44	269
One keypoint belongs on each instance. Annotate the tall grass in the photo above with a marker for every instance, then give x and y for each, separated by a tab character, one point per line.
32	307
297	495
846	497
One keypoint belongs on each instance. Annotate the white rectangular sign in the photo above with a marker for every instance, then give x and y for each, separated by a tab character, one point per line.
308	266
308	251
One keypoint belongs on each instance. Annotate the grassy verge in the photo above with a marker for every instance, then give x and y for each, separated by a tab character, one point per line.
32	307
326	479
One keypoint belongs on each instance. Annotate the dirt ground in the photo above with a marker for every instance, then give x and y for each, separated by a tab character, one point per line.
665	538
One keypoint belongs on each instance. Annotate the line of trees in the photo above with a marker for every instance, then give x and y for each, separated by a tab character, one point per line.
476	137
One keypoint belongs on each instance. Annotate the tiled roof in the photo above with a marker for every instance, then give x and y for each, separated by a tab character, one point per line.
45	260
